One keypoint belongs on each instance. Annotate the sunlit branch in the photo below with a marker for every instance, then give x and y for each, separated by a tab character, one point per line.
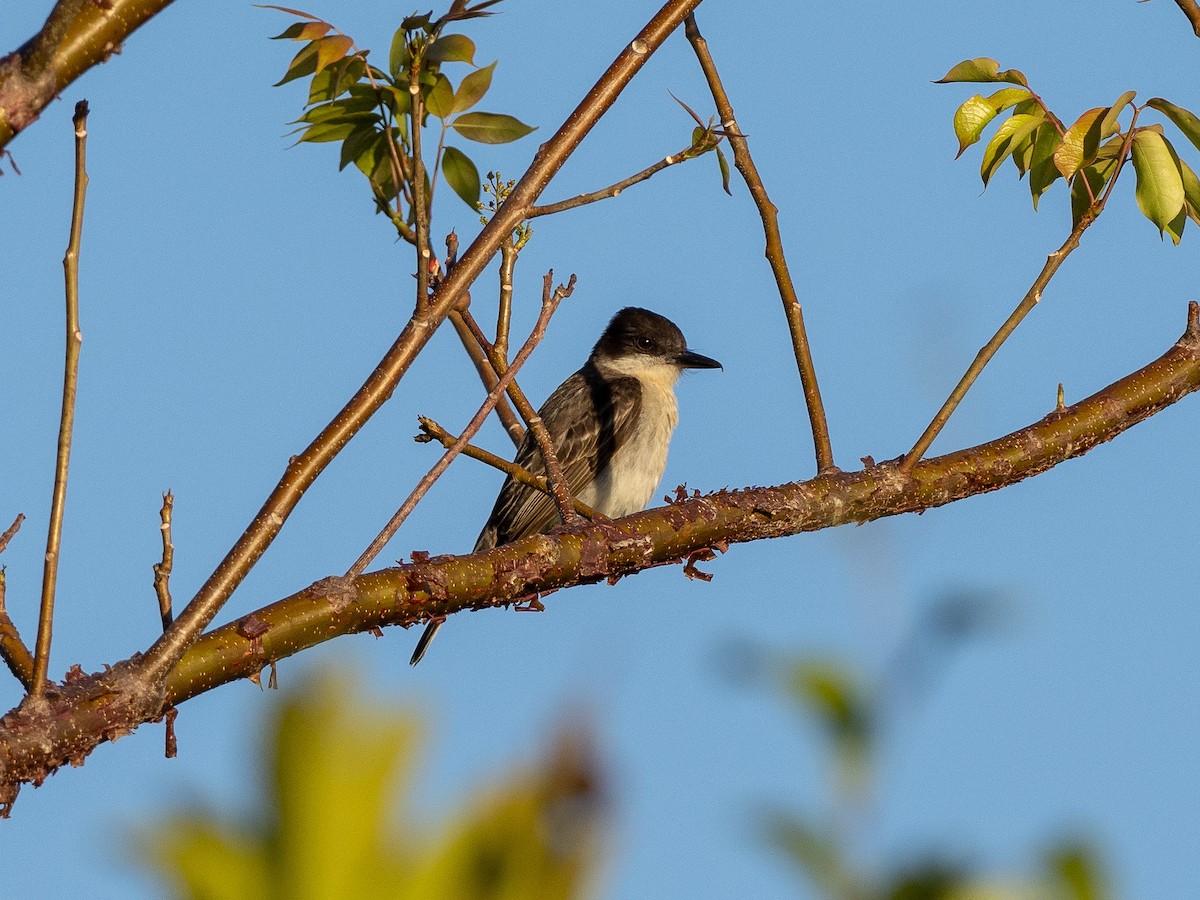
74	338
774	249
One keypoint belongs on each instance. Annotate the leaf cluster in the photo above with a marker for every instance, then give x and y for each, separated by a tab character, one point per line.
334	767
1089	154
375	112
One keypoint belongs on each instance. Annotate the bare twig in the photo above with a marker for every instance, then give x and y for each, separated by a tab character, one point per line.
508	262
554	474
1191	9
435	432
774	249
74	338
1031	299
612	190
420	209
172	745
162	570
549	305
487	375
11	531
303	469
12	649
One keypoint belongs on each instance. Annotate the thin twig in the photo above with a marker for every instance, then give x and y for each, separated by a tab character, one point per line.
74	338
1031	299
508	262
304	468
612	190
774	249
487	374
432	431
13	650
478	354
1191	9
420	209
549	305
162	570
11	531
554	474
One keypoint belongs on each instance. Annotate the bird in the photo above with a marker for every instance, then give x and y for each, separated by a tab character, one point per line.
610	424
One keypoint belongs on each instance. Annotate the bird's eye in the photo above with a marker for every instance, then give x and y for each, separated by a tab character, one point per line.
645	343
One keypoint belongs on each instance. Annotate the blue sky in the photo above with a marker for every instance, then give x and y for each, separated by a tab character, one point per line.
236	291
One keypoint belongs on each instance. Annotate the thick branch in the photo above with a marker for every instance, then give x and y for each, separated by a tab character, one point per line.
73	718
77	35
1191	9
443	585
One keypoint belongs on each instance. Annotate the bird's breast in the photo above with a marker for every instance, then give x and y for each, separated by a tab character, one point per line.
628	482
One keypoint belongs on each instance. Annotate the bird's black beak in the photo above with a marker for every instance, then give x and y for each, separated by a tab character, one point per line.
689	360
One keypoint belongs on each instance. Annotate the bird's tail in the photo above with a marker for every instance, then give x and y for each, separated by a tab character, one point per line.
485	541
423	644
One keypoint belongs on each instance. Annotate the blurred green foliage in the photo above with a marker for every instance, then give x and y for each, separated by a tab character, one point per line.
335	768
852	714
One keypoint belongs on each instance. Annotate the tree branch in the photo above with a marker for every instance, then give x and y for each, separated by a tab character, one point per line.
12	649
303	469
774	249
74	338
550	302
77	35
432	431
35	739
1191	9
612	190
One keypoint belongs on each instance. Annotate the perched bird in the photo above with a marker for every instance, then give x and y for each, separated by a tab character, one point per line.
611	424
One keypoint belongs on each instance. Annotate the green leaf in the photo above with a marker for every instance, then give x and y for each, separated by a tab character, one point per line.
340	110
328	131
303	31
1159	190
399	59
339	78
357	145
452	48
1191	191
1042	170
413	22
303	63
723	165
1080	143
331	49
969	121
473	87
984	70
1110	125
462	176
1009	136
490	128
439	99
1184	120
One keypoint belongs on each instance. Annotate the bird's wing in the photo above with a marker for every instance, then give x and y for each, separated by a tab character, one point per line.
582	448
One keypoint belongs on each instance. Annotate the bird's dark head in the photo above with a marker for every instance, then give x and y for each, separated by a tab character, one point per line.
639	339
